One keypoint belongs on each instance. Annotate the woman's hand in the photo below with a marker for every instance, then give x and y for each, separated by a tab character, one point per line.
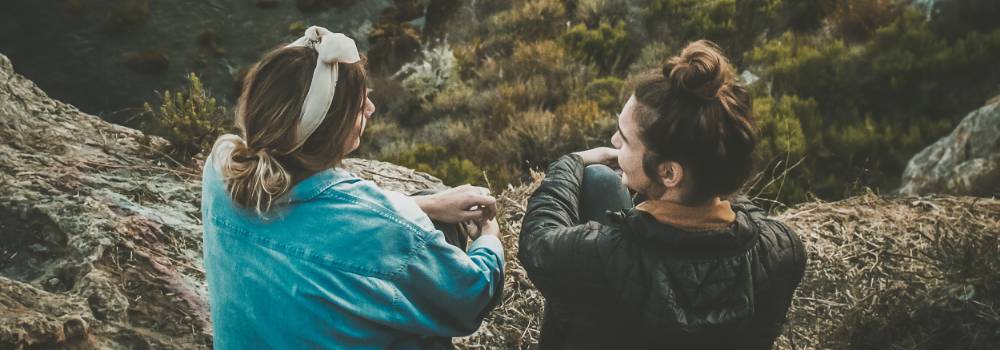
600	155
459	204
484	228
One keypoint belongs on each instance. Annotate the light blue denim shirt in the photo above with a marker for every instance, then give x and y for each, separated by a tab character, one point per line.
338	264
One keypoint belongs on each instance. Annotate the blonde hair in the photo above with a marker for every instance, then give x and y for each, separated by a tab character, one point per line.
264	162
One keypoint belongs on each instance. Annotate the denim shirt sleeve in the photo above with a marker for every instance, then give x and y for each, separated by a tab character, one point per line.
446	291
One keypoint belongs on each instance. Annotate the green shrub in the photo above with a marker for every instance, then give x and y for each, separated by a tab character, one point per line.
605	45
734	25
458	99
535	137
532	92
879	101
435	160
457	136
545	57
583	124
953	19
525	20
379	134
652	56
393	101
608	93
595	11
779	130
803	16
190	119
857	20
531	19
781	148
430	74
810	68
393	41
530	140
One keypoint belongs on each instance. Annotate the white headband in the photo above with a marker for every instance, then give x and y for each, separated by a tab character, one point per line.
333	48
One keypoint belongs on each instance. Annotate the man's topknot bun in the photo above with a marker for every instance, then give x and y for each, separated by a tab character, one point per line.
700	69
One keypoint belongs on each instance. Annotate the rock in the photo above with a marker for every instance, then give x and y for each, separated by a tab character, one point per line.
150	62
966	162
100	242
94	74
267	4
75	329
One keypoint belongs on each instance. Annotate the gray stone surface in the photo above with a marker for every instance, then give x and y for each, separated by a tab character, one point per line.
966	162
100	236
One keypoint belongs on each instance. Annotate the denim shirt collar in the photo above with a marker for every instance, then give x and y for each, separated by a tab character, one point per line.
316	183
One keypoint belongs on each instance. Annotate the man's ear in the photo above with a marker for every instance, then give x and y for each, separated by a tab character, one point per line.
671	174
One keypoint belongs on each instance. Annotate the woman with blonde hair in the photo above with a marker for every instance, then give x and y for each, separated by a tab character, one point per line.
300	253
690	266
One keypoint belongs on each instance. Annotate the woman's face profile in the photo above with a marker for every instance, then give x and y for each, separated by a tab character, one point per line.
360	123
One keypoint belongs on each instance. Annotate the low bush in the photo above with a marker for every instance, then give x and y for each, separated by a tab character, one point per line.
190	119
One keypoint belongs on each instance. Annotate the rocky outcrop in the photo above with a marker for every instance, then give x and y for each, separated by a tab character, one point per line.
115	54
966	162
100	236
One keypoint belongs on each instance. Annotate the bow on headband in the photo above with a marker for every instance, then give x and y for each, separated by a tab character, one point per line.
333	48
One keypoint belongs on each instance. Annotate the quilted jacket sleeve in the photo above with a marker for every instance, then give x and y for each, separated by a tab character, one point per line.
784	257
556	250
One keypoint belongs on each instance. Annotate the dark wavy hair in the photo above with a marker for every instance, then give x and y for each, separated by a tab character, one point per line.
693	112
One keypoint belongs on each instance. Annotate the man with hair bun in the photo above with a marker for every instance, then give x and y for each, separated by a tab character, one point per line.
683	265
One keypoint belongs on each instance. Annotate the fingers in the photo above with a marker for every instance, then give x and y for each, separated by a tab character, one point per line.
490	227
472	215
479	214
484	202
474	197
490	211
467	203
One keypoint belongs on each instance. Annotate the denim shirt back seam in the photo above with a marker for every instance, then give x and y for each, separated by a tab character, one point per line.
329	191
236	230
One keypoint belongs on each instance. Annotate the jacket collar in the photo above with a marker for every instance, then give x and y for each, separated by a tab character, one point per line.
316	183
708	217
733	239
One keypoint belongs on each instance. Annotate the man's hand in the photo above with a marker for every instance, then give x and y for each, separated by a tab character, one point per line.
600	155
463	203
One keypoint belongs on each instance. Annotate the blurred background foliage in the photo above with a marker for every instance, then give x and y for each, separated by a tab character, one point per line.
845	91
848	90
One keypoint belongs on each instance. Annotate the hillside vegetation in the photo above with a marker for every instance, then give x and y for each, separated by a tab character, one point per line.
845	91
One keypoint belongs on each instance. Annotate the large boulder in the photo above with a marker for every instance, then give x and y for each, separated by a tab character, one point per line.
100	236
966	162
107	57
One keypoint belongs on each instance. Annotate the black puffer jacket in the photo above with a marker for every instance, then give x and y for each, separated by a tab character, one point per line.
639	284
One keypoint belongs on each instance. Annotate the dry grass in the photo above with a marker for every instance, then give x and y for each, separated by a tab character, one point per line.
515	323
897	273
883	273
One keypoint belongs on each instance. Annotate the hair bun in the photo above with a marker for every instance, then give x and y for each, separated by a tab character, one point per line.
700	69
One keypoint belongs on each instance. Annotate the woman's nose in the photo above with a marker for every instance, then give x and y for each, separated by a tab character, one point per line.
369	108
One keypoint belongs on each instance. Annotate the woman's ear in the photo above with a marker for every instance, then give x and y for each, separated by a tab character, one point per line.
671	174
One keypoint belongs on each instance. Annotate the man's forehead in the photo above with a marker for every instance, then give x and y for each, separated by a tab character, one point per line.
626	116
